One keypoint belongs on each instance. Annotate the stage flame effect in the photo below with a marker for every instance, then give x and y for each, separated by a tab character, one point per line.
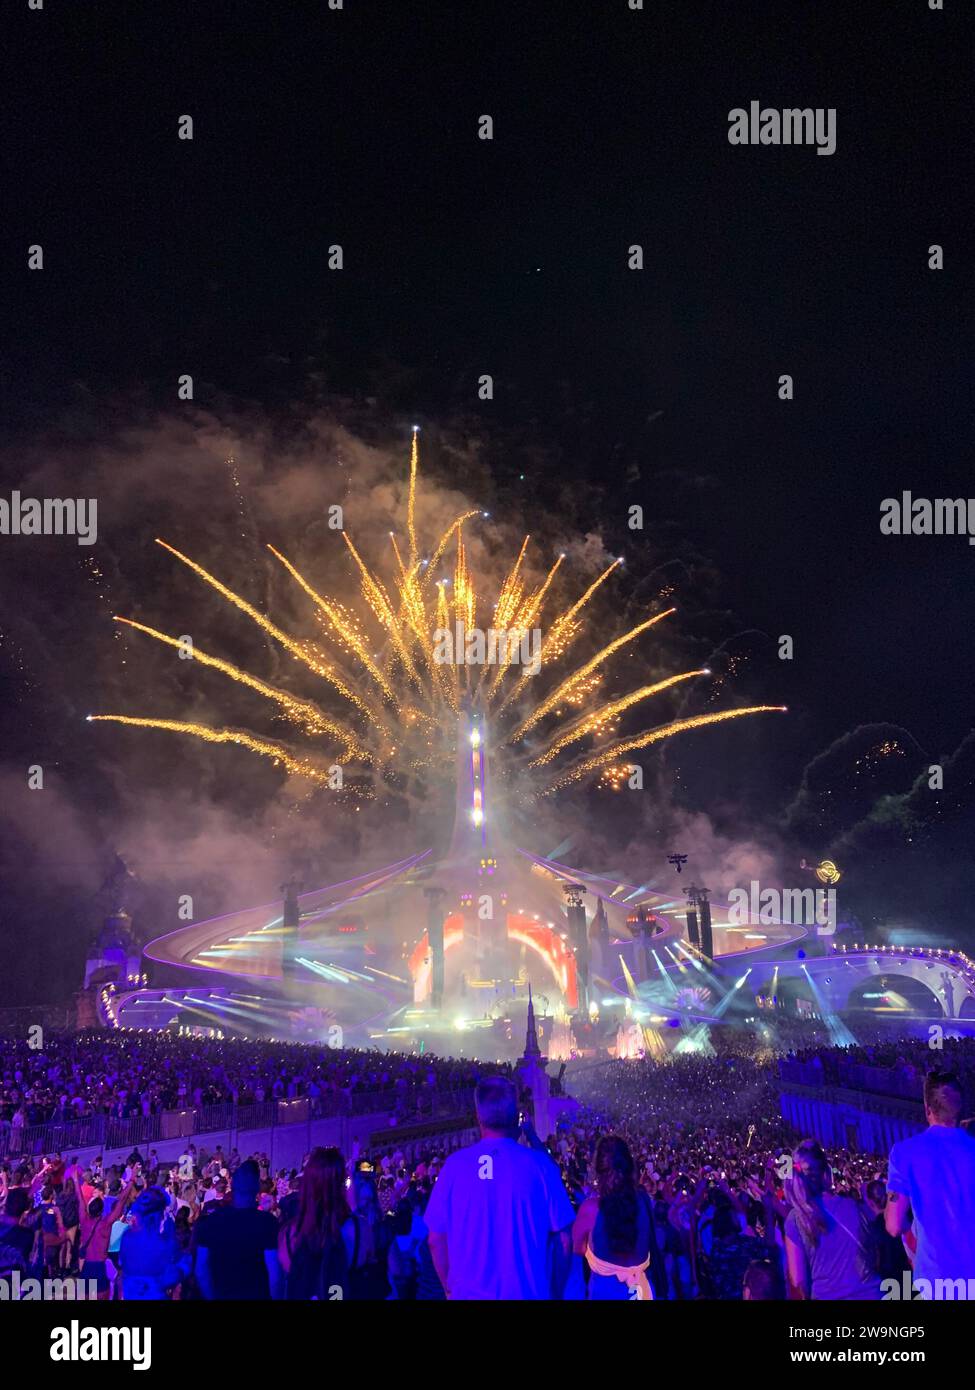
394	710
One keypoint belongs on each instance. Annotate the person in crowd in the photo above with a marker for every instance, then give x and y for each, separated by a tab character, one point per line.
709	1145
829	1250
97	1220
68	1202
402	1262
680	1246
893	1261
52	1232
237	1246
17	1234
317	1247
931	1182
368	1272
763	1281
614	1230
428	1286
183	1230
148	1257
734	1249
498	1217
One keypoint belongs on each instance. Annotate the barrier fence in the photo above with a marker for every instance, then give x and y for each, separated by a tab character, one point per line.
109	1132
902	1083
855	1120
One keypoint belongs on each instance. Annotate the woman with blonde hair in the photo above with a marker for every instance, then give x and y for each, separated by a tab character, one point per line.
831	1252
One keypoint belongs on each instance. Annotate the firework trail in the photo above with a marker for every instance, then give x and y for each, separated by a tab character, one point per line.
396	708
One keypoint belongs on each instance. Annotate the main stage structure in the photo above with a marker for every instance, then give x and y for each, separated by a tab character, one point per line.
433	945
450	938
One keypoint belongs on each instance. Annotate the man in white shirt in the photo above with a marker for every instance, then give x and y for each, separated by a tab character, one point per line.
932	1176
498	1217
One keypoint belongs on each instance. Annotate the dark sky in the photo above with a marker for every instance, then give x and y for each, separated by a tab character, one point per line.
508	257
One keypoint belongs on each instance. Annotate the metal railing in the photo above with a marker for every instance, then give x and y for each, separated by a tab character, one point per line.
110	1132
893	1107
895	1082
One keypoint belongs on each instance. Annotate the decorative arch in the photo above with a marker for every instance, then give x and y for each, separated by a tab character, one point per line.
548	944
521	929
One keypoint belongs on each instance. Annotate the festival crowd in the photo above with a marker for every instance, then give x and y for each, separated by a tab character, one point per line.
125	1075
674	1179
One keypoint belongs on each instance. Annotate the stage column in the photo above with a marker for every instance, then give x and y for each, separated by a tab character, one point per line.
290	918
579	936
707	936
693	936
434	897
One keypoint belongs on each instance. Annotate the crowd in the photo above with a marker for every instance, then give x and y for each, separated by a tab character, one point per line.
895	1068
126	1075
216	1225
674	1180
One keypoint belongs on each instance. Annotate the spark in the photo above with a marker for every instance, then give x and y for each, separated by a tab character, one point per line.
300	767
411	502
400	701
649	736
303	712
303	651
601	718
566	687
340	624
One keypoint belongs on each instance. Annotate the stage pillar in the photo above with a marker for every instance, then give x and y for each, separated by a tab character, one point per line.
707	936
599	938
434	897
641	929
290	917
575	911
693	935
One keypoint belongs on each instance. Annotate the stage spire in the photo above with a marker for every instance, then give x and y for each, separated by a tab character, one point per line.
532	1048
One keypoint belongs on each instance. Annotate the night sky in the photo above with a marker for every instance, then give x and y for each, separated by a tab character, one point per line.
612	387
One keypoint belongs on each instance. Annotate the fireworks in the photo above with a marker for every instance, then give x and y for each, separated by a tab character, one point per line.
386	703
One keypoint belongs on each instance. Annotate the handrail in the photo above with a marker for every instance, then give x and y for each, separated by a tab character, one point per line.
110	1132
860	1100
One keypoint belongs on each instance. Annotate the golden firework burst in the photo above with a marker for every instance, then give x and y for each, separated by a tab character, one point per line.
395	709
